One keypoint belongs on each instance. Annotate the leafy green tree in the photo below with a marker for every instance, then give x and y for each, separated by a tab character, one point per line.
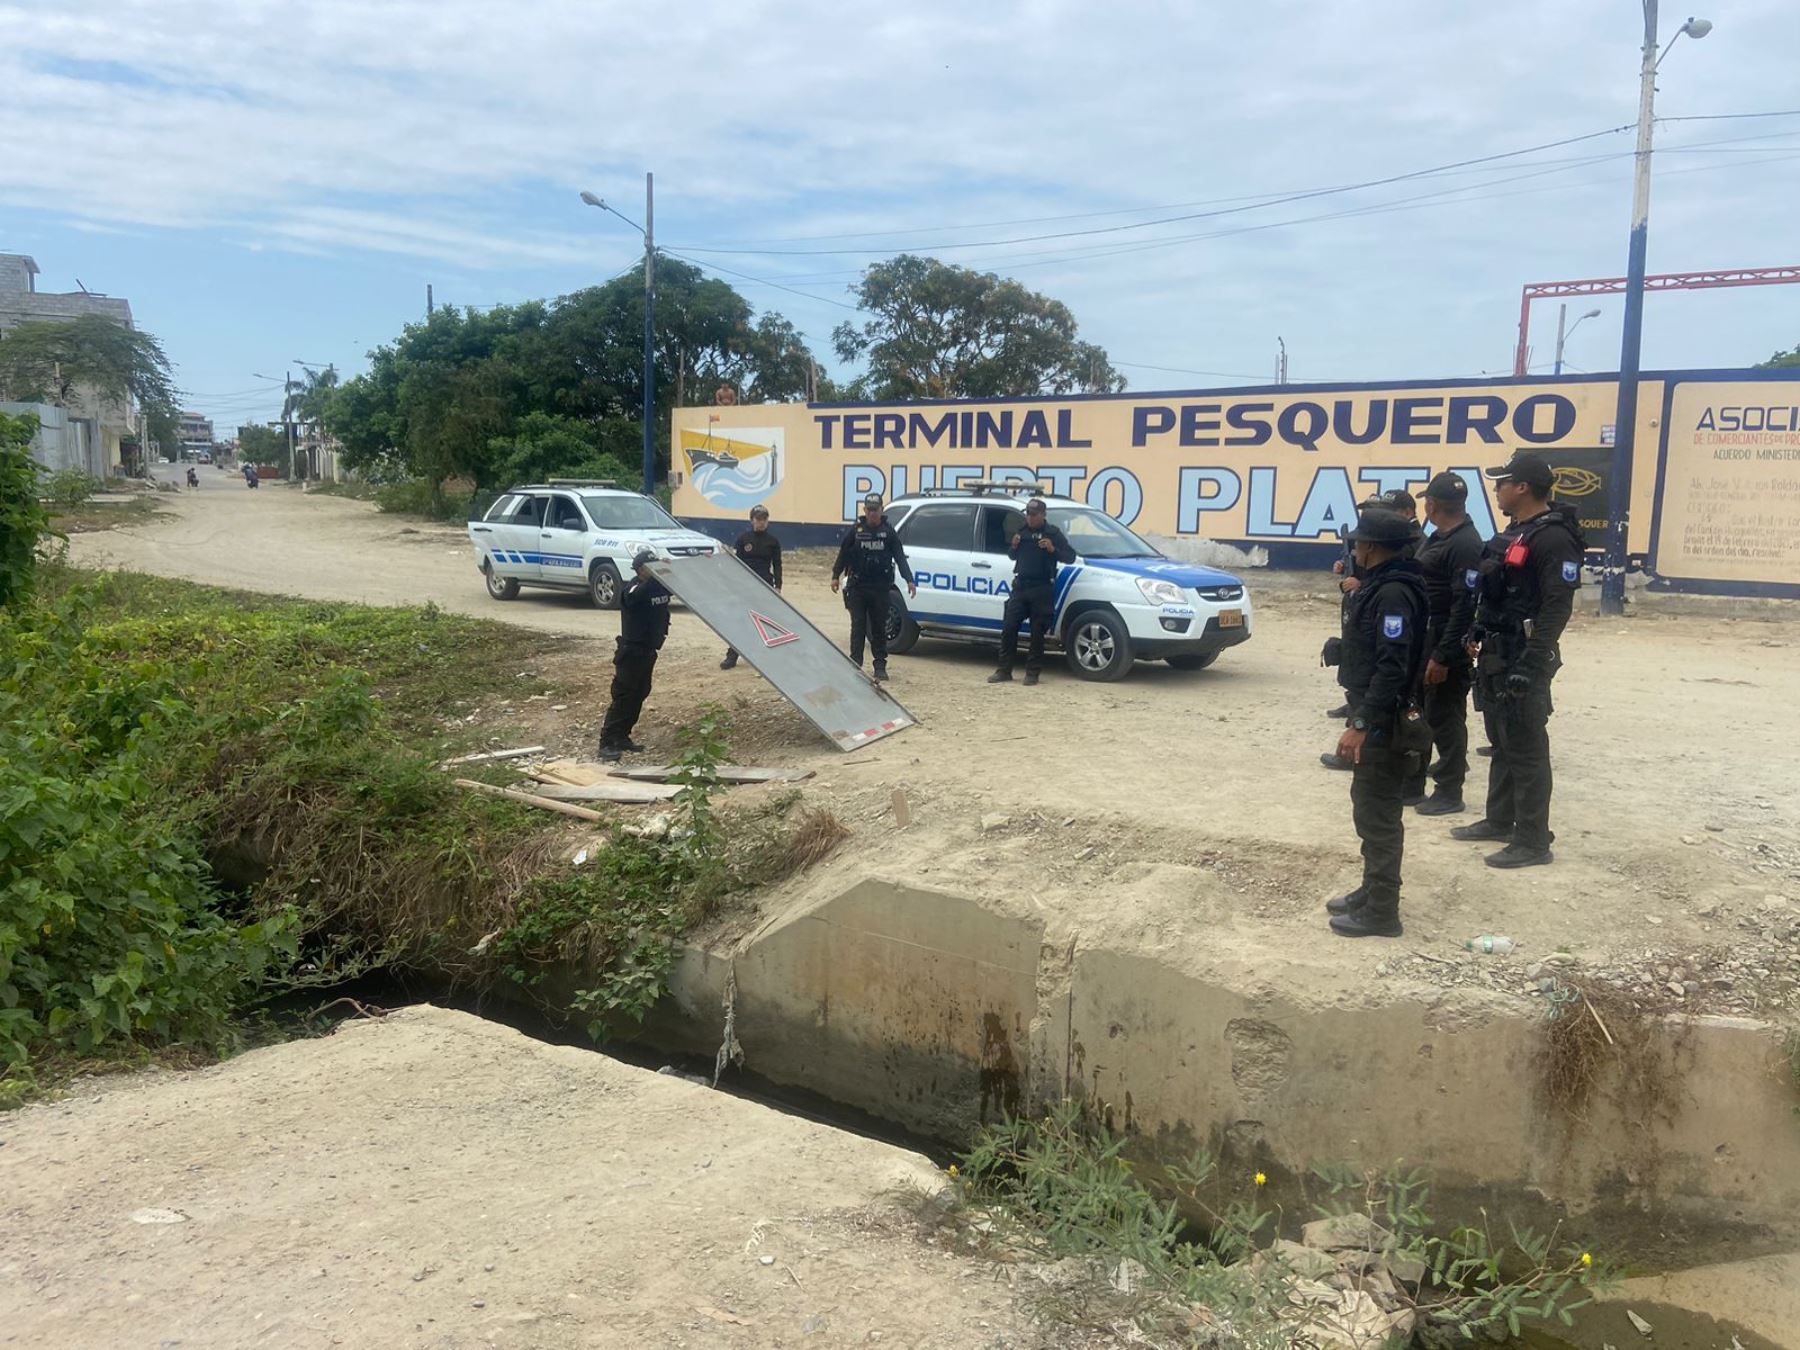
941	331
23	520
545	445
49	360
263	445
1782	360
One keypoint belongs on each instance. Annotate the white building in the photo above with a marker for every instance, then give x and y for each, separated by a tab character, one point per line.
104	422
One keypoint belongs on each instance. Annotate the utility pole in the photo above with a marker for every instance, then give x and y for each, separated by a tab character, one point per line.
1618	486
1281	361
287	415
1562	315
429	307
649	334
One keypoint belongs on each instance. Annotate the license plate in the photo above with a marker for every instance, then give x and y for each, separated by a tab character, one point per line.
1231	618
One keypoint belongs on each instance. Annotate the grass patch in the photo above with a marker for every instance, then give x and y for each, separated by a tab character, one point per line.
213	796
89	516
1600	1038
355	491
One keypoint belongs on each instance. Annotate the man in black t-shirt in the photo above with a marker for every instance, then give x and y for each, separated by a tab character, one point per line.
759	550
1036	547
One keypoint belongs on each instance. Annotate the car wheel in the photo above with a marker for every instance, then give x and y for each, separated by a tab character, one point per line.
1097	645
603	586
1192	661
902	632
501	588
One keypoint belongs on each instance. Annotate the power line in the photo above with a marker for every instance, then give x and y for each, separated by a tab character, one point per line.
1172	220
1185	370
1730	117
760	281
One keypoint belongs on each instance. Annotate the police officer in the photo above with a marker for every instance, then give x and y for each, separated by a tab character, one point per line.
760	551
1383	660
1399	501
866	561
643	625
1036	548
1525	586
1452	548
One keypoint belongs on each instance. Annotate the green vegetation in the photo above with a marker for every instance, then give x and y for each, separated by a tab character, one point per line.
24	523
209	797
1179	1258
47	360
90	516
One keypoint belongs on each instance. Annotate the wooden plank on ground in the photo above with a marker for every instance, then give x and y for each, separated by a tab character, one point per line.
631	794
492	755
530	799
728	773
570	771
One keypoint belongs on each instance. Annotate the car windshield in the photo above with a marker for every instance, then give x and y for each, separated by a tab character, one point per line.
1094	534
628	513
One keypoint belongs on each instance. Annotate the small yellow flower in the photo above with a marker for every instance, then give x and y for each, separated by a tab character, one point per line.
1587	1258
1261	1180
953	1172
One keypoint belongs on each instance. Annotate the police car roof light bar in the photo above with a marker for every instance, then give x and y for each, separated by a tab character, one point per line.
1012	487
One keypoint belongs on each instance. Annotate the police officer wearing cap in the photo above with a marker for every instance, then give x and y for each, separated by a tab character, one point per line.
1383	660
1037	547
867	560
643	625
1524	586
759	550
1445	557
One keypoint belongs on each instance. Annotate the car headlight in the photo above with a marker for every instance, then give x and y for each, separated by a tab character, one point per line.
1158	592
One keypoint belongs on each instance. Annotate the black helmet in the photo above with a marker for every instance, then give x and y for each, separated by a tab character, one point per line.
1379	526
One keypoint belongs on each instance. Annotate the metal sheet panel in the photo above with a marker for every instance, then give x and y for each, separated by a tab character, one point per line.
784	647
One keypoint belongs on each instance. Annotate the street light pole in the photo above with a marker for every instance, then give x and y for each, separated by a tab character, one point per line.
649	334
648	230
1618	488
1562	312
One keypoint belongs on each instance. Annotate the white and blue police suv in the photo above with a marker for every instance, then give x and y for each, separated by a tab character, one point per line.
575	535
1118	602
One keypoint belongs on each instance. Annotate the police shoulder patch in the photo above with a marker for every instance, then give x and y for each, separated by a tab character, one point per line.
1471	578
1393	625
1571	571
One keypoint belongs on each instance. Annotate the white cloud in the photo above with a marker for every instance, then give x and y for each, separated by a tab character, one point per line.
431	130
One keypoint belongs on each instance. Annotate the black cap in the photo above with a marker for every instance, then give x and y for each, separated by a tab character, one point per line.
1448	487
1527	468
759	512
1380	526
642	556
1399	499
1035	504
873	499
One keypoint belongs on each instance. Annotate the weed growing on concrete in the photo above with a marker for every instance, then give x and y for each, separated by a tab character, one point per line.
1110	1249
1598	1034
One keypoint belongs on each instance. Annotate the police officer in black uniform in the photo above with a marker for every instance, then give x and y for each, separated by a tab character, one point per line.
866	560
1383	661
643	625
1037	547
1401	503
760	551
1452	548
1525	588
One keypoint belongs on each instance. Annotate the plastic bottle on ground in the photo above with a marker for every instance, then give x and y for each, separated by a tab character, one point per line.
1489	945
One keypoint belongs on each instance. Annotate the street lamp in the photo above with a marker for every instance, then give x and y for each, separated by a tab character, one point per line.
1612	577
1562	312
648	230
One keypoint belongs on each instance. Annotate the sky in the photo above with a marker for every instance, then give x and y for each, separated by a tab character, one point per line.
270	184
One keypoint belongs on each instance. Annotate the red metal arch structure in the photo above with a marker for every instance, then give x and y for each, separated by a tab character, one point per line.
1668	281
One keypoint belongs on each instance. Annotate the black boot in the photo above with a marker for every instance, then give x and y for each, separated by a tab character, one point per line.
1366	922
881	672
1519	855
1481	830
728	662
1348	904
611	754
1031	677
1440	803
1000	677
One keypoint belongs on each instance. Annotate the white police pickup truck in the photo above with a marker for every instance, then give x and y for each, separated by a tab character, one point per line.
574	535
1119	601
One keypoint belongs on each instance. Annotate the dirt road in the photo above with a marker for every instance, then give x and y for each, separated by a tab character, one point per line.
1677	803
385	1187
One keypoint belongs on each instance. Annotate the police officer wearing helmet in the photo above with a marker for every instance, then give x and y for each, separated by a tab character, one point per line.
643	625
867	560
1445	557
759	550
1383	660
1524	587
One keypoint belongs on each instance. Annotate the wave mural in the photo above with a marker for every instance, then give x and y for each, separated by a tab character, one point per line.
736	471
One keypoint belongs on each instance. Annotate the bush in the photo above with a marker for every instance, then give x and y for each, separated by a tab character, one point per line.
23	521
70	487
113	930
413	497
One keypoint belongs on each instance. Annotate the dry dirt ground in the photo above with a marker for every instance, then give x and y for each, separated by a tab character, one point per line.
1677	803
385	1187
